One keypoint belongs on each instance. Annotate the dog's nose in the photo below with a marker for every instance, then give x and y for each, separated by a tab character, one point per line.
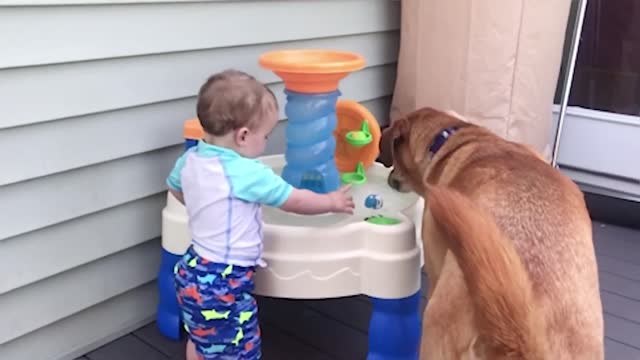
393	183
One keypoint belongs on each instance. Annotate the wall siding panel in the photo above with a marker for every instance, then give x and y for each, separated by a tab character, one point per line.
113	134
45	201
93	97
88	238
78	334
77	33
77	289
105	85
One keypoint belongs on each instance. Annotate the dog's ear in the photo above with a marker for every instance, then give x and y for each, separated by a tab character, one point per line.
399	127
386	147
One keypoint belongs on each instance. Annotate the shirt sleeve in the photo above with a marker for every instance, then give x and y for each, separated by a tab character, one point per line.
174	180
253	181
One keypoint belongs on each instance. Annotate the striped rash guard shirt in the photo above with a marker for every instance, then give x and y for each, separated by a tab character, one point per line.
223	193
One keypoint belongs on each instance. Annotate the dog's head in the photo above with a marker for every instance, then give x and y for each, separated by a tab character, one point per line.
408	141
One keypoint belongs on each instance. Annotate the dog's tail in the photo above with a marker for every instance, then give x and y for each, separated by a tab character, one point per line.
498	283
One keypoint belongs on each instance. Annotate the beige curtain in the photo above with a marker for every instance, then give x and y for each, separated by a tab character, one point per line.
494	61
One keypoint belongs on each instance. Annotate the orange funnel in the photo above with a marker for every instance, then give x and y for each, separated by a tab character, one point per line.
311	71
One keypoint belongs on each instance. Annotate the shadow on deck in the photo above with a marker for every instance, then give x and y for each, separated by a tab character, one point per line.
337	328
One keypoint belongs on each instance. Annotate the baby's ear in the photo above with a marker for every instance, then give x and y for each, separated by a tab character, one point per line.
241	135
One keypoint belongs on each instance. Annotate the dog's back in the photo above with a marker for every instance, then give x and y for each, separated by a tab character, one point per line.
521	235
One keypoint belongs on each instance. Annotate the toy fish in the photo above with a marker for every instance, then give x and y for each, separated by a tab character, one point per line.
214	349
238	338
227	271
220	291
373	201
245	316
193	293
208	279
204	332
248	346
228	298
186	316
215	315
234	283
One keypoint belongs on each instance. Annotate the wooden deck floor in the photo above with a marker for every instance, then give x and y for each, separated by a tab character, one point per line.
337	328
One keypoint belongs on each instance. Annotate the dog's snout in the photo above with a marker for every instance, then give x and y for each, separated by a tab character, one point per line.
393	182
397	182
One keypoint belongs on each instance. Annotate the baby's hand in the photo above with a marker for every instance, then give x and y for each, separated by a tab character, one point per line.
341	202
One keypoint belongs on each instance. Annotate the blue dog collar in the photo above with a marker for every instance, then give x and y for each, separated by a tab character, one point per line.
441	139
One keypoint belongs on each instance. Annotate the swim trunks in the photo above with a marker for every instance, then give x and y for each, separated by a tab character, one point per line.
218	310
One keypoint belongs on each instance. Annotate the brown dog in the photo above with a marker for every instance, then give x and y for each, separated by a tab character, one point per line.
507	243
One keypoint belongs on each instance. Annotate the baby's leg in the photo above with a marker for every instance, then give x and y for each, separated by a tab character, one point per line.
219	312
191	351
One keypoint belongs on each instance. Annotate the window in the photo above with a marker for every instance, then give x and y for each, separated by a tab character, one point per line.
607	72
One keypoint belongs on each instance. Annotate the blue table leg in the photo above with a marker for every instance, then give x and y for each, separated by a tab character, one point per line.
395	329
168	316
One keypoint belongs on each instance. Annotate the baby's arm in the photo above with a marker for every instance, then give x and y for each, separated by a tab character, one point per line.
252	181
177	194
174	181
307	202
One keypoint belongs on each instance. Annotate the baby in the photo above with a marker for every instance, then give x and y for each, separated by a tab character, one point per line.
223	187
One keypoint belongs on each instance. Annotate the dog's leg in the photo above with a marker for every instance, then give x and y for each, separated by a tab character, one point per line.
434	251
448	329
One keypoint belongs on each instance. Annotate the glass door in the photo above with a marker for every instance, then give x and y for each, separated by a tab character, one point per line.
599	145
600	139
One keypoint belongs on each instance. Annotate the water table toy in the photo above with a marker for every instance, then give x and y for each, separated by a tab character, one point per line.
329	142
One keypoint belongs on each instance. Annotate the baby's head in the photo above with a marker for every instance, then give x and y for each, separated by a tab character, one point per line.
237	111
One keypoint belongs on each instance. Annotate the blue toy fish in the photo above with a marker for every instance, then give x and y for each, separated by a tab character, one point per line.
373	201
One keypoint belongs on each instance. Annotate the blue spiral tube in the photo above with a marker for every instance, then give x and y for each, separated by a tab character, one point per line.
310	142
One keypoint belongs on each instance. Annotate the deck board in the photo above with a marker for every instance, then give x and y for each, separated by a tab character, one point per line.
619	243
127	347
622	330
313	328
615	350
621	306
151	336
352	312
620	285
337	328
619	267
278	345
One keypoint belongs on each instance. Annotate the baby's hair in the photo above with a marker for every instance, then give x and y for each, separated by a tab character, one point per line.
232	99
